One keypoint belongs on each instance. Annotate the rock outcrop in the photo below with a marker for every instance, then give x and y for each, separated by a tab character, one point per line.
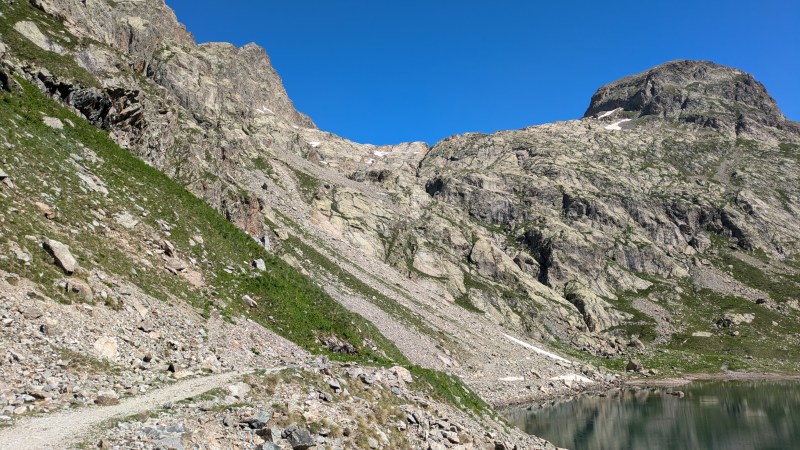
698	92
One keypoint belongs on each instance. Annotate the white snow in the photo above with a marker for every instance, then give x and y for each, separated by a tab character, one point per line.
511	379
265	111
608	113
537	349
573	377
370	161
315	144
379	153
615	125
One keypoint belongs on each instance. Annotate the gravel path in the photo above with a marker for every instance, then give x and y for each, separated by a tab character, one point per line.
64	429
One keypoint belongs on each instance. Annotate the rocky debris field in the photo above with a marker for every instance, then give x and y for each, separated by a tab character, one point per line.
57	356
322	405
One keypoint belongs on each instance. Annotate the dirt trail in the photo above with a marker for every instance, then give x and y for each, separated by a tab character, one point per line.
64	429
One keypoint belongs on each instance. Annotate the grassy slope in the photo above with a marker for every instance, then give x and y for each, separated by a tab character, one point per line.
39	160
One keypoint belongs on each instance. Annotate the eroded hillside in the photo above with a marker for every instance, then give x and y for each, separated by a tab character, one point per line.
660	227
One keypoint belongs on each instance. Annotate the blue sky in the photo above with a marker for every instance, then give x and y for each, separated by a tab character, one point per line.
384	72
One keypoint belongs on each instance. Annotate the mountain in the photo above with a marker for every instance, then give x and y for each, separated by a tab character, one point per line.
528	264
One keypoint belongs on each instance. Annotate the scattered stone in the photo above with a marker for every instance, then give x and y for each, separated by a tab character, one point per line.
679	394
107	398
299	438
126	220
247	300
168	248
53	123
259	264
402	373
634	366
239	390
48	212
29	312
703	334
259	420
78	288
62	255
106	347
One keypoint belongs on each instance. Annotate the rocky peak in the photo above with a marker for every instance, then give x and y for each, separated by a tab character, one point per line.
211	80
692	91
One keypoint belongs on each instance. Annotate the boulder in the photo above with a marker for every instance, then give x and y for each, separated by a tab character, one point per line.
259	264
299	438
733	319
106	398
53	123
63	257
239	390
634	366
402	373
247	300
78	288
126	220
48	211
106	347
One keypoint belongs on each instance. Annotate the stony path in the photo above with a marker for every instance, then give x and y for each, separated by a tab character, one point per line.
63	429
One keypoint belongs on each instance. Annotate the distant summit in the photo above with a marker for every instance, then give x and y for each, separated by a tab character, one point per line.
700	92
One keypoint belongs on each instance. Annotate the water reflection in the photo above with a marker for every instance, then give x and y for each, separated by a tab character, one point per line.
712	415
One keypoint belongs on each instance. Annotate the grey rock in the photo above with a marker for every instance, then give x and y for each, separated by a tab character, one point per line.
688	90
259	264
298	438
259	420
268	446
247	300
634	366
61	253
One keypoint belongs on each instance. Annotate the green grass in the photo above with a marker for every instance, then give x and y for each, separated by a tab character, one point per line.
300	309
781	287
288	302
464	302
450	389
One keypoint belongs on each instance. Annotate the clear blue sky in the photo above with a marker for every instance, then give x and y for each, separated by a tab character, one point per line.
390	71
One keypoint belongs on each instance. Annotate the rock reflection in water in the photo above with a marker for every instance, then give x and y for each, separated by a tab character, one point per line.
712	415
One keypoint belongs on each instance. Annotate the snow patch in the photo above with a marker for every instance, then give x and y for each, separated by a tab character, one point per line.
615	126
265	111
537	349
574	378
511	379
315	144
370	161
379	153
608	113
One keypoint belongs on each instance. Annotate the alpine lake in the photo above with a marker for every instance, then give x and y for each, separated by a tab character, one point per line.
708	415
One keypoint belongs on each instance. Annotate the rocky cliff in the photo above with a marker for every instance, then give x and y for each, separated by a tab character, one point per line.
651	228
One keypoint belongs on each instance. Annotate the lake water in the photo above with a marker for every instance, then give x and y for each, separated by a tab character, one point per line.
713	415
